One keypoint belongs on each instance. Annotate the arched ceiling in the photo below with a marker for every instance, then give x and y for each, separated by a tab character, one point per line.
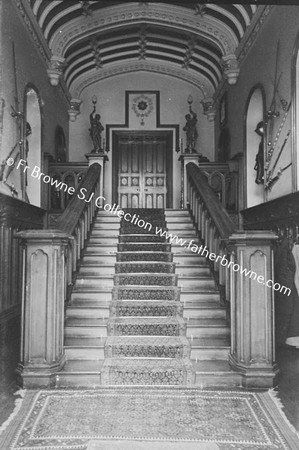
98	39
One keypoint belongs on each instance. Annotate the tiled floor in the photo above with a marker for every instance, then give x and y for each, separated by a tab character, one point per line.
288	385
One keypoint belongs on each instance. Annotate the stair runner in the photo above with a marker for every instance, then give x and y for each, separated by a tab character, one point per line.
146	343
132	319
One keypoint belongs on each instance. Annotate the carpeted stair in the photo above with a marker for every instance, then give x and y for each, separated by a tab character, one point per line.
143	310
146	342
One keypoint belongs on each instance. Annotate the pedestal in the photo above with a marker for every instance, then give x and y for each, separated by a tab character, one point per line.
252	308
186	158
43	296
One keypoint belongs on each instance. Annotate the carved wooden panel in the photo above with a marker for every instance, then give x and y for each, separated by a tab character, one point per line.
142	171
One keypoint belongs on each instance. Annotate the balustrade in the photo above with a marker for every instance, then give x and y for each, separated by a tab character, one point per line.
51	257
250	303
71	174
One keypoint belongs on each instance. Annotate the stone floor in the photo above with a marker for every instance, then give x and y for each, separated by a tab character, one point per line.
288	383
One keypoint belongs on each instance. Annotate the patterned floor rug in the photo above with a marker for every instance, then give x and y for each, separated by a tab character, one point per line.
71	419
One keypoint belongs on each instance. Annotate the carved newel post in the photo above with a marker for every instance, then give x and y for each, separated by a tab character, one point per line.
43	297
252	308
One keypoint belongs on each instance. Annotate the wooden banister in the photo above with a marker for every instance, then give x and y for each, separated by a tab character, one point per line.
73	212
218	214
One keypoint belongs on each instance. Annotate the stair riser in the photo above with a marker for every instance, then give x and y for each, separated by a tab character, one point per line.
142	256
182	259
178	249
83	296
144	293
151	311
204	313
103	233
184	234
78	380
76	331
158	378
92	283
207	332
176	225
112	240
143	238
145	280
99	260
84	353
146	330
222	380
88	313
192	271
99	271
132	247
93	249
177	213
197	296
196	283
154	267
209	354
106	226
135	351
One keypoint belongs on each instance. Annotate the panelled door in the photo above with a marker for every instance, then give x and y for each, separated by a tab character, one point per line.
142	170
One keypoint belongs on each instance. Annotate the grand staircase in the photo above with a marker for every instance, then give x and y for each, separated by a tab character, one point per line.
145	311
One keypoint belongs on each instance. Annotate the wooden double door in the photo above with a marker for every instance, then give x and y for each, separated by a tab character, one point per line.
143	169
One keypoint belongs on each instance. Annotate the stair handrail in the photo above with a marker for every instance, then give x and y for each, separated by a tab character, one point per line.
216	211
77	219
68	221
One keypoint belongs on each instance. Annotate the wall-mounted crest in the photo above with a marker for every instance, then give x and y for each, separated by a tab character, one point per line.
142	106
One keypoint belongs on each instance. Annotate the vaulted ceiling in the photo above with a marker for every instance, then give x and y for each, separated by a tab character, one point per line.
91	40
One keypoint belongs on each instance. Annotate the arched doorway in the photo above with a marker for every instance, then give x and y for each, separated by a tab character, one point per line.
254	115
32	146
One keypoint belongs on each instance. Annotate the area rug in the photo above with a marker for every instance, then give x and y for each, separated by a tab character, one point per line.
70	419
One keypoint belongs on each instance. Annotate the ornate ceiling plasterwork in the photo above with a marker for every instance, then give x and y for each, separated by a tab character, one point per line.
83	82
130	13
228	37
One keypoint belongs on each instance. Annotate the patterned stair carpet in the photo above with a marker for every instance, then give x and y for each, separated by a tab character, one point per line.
157	416
146	342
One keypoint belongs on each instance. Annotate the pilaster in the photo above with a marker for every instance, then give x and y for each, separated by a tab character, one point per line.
252	308
43	296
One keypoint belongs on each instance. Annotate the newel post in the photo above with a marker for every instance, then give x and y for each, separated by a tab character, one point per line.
43	296
252	308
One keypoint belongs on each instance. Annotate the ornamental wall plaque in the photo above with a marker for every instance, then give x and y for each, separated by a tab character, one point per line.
142	107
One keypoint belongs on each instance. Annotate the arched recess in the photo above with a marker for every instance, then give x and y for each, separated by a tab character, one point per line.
295	110
32	150
254	114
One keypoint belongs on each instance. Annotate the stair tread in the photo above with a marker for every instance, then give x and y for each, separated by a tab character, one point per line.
213	366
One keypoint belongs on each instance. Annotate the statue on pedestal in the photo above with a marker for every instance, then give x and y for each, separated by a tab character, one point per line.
190	129
96	128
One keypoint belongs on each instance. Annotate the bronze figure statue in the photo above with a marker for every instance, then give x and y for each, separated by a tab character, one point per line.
95	130
191	131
